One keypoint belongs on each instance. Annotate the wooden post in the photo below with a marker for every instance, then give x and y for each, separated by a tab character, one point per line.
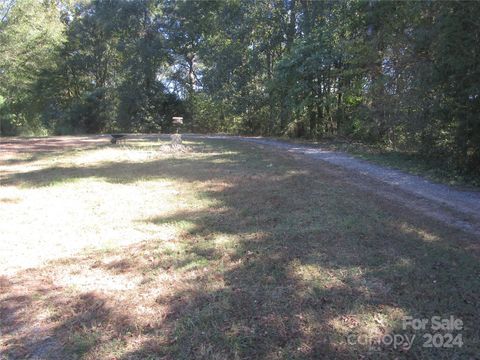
177	138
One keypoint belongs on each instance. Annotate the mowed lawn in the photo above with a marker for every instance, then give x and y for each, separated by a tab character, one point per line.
223	251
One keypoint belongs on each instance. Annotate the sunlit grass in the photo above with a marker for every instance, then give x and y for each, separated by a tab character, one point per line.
52	212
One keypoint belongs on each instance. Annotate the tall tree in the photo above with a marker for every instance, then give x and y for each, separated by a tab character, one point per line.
30	33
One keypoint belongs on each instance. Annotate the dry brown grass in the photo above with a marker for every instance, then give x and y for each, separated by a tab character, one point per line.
225	251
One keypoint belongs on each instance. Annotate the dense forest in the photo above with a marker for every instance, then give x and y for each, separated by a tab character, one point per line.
402	74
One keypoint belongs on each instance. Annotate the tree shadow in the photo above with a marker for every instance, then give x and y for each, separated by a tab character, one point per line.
129	171
407	266
70	330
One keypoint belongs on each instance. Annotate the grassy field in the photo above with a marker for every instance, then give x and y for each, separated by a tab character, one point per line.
222	251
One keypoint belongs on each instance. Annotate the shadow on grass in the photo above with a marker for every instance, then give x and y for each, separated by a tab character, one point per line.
287	264
77	318
125	171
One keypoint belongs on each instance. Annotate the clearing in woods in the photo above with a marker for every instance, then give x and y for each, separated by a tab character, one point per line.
224	250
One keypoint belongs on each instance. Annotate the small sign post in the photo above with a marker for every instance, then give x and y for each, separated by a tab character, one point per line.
177	122
176	138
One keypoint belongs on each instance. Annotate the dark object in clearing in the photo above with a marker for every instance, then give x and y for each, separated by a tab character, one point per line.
116	137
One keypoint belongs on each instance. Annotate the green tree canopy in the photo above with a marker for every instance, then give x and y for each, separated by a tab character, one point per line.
401	74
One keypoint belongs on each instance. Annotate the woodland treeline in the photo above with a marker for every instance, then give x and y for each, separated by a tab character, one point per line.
400	74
